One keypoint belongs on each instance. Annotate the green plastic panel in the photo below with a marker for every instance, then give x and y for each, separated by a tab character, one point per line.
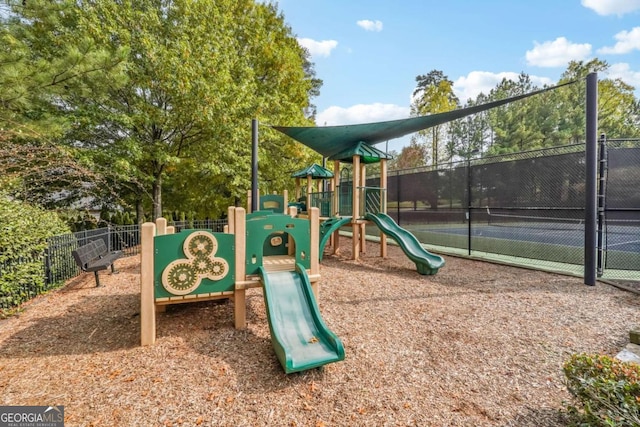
426	262
300	338
262	225
207	265
272	202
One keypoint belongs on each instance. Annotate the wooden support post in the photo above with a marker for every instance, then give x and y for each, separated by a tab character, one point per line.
291	244
383	203
309	191
239	300
161	226
363	229
297	189
285	201
314	225
231	220
336	187
335	237
355	200
147	299
171	229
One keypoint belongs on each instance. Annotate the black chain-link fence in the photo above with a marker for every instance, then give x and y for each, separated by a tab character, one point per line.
526	207
57	263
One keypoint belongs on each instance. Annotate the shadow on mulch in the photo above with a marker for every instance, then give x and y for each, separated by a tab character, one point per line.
99	323
207	328
540	417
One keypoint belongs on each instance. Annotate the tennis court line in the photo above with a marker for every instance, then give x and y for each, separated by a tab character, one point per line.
623	243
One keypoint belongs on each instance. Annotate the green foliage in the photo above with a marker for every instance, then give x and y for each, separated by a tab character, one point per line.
23	236
151	96
548	119
433	94
607	391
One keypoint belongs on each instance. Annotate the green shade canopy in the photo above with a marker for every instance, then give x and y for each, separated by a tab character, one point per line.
316	172
333	140
367	153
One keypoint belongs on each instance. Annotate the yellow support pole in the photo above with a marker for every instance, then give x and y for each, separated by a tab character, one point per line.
383	203
314	270
239	299
147	299
355	200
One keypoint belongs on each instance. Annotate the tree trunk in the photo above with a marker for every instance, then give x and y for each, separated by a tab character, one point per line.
139	212
157	197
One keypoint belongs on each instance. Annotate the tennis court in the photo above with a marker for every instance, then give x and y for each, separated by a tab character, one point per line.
542	238
620	235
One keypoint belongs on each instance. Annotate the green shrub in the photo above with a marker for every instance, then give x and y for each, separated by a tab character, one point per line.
24	230
607	391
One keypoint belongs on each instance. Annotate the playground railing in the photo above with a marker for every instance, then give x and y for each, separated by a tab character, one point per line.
372	200
216	225
323	200
345	199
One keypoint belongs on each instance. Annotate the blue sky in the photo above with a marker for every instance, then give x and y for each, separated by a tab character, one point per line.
368	52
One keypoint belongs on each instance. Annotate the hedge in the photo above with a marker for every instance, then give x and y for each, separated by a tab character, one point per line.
23	240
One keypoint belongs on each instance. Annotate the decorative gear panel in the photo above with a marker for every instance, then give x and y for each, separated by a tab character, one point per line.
183	276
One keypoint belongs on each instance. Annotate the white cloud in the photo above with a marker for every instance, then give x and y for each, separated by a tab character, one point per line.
627	42
470	86
318	48
557	53
623	71
612	7
370	25
361	113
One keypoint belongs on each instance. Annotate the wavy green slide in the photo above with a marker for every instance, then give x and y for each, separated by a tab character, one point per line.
426	262
328	227
300	338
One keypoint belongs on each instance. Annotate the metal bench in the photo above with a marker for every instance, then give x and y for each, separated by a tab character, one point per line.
94	256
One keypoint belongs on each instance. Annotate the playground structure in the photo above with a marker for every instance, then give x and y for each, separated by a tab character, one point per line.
262	248
281	252
355	205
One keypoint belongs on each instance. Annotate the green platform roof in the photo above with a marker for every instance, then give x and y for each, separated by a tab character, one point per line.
367	153
316	171
331	141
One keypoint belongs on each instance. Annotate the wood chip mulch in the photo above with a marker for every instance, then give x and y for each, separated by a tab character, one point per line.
477	344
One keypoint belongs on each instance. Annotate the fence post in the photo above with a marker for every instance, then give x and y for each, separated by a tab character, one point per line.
47	264
468	205
591	173
602	172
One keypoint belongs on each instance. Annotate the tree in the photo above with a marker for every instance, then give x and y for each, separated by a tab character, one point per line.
42	61
196	73
433	94
412	156
513	125
617	106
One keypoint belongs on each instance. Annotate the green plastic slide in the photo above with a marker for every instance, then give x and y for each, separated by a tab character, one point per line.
426	262
300	338
328	227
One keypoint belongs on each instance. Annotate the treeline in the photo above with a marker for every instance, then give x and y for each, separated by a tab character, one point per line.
146	105
549	119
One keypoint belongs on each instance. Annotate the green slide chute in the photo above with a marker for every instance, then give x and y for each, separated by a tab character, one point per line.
328	227
426	262
300	338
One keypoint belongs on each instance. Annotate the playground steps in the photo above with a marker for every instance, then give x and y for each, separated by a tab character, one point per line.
279	263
